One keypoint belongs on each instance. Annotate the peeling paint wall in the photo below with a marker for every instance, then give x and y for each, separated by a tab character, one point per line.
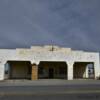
35	54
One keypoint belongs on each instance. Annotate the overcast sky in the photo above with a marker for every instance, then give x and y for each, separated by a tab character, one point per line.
68	23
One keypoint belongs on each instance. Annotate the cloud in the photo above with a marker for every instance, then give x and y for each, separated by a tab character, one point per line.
66	23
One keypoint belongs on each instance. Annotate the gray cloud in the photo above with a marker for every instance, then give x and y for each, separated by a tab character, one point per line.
69	23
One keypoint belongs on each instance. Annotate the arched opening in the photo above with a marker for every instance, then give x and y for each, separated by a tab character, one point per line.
83	70
18	70
52	70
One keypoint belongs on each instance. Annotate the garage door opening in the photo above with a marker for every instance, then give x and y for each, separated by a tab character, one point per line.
18	70
52	70
83	70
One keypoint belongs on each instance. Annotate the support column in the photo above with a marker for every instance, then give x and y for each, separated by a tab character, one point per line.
2	70
86	73
96	70
97	66
70	70
34	72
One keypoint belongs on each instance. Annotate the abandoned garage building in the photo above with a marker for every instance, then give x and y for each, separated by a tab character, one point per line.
48	62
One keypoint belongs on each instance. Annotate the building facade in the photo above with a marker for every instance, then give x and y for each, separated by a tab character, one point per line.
48	62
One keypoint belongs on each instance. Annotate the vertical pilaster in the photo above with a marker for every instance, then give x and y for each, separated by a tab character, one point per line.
96	70
2	70
97	66
70	70
86	72
34	72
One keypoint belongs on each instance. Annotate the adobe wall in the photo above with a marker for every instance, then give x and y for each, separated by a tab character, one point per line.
49	53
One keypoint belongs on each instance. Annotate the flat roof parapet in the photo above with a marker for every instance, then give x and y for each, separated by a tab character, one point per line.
50	48
36	47
66	49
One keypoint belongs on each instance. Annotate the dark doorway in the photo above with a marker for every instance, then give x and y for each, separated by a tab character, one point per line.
83	70
52	70
18	70
51	73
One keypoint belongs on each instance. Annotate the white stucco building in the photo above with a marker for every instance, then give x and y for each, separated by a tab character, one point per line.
40	62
